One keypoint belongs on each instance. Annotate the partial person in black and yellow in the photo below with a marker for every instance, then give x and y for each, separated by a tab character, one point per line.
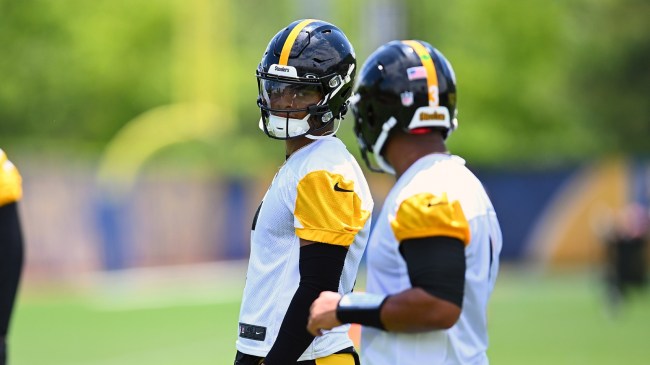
11	246
310	231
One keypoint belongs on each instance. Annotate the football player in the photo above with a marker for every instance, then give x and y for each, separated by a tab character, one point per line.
433	255
310	230
11	246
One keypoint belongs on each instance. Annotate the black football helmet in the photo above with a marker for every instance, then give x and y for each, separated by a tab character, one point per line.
304	79
407	85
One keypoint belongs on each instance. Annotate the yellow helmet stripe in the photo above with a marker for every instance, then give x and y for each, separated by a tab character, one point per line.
427	62
288	44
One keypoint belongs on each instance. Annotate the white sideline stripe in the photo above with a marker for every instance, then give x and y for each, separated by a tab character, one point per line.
160	287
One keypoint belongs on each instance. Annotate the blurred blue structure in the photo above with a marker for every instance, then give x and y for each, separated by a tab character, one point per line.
210	220
236	218
519	198
113	227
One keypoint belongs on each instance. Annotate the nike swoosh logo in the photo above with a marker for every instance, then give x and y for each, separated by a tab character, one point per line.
337	188
434	204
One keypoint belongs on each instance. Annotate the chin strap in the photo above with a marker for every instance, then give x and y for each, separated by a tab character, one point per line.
337	125
379	144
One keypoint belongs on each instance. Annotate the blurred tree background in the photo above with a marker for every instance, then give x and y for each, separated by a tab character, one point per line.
135	126
541	83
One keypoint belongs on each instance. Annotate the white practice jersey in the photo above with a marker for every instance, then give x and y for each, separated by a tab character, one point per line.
436	196
319	194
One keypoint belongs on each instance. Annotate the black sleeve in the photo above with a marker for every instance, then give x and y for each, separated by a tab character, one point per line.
321	266
11	261
437	265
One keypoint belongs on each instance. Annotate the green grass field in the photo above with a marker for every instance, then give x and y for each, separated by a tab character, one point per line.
534	319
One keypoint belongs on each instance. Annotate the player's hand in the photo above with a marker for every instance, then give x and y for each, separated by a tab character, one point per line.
322	314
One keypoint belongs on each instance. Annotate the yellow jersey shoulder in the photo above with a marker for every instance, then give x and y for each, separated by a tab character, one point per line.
428	215
10	181
328	208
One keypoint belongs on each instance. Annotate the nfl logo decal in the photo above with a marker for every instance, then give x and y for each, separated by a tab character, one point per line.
407	98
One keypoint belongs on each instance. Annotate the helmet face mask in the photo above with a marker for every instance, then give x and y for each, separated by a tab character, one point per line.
304	80
407	86
365	128
288	105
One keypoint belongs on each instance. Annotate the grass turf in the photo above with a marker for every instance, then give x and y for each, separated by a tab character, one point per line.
534	319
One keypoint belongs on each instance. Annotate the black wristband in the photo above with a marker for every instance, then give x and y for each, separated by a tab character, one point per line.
361	308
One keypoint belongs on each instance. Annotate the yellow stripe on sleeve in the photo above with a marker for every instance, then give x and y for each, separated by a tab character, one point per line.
429	66
426	215
291	39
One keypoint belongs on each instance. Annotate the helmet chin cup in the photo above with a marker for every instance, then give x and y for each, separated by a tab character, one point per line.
283	127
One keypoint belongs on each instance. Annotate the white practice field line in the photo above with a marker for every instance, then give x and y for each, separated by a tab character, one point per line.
160	287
